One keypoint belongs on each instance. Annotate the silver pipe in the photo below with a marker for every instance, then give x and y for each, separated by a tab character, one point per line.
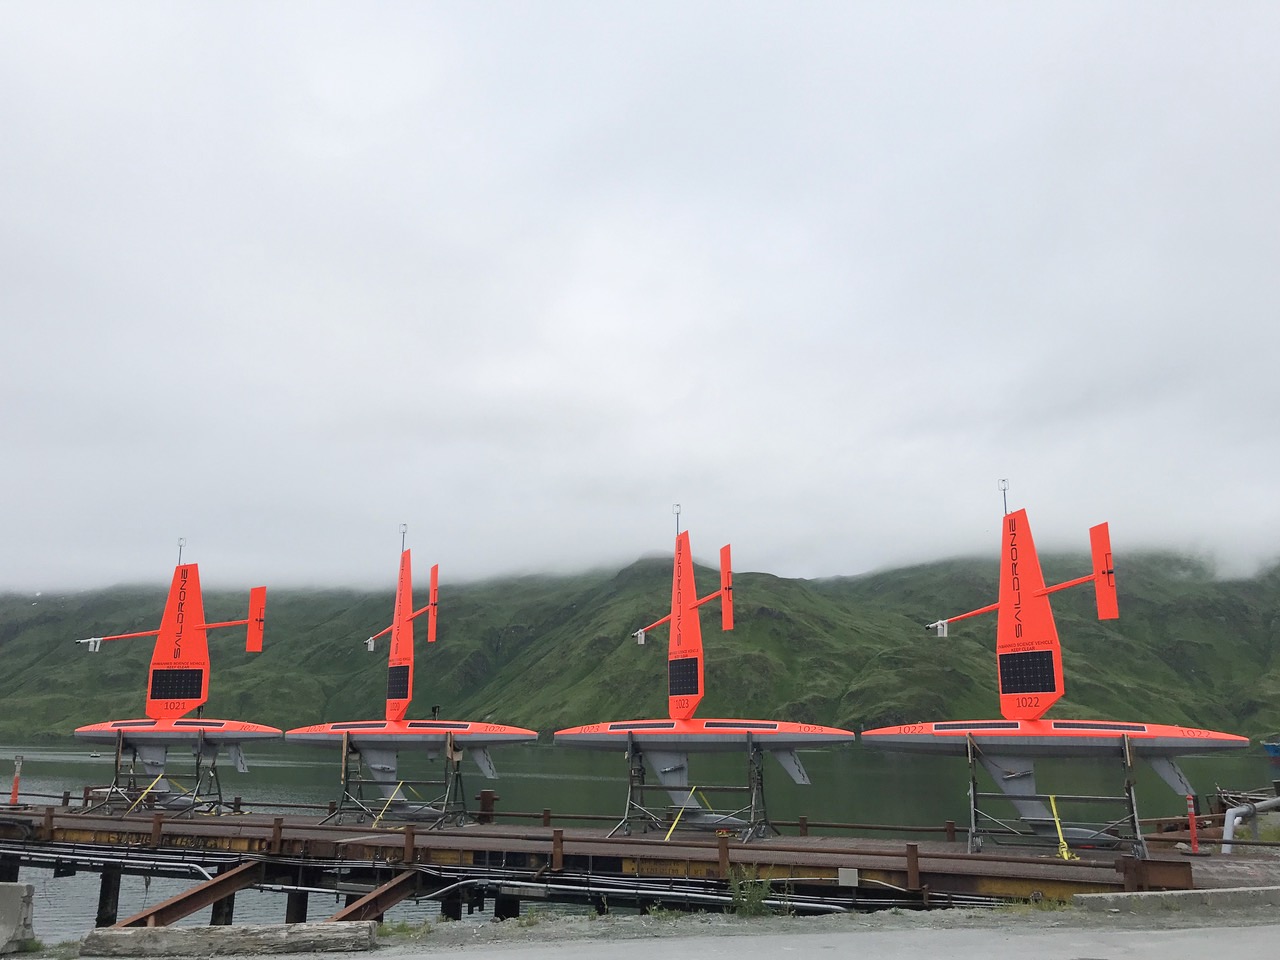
52	860
684	895
1246	811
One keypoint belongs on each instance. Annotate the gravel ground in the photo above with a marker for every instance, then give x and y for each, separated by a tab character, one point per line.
532	935
1041	937
1045	933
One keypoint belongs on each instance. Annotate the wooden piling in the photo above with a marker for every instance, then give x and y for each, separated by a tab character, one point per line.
410	851
108	897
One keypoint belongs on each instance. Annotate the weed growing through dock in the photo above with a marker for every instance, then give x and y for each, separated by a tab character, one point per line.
748	893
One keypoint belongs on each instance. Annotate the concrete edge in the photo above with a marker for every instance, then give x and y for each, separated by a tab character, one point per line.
231	940
1226	898
16	909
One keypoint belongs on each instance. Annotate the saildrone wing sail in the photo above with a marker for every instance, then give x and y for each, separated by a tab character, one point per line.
1028	654
400	659
178	681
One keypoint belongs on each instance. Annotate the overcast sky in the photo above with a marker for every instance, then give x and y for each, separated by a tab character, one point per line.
279	277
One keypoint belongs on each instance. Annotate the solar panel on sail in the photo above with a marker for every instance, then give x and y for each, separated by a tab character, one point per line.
682	677
173	684
1030	672
398	683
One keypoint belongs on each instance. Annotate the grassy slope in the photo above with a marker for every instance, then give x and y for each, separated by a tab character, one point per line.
550	652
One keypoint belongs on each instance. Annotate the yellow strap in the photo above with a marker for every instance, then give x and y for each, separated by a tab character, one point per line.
143	795
1063	850
678	816
387	804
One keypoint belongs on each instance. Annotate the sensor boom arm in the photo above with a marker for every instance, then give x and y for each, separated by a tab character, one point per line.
1103	579
255	621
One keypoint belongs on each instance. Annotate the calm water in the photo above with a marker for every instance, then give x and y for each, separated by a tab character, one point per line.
850	785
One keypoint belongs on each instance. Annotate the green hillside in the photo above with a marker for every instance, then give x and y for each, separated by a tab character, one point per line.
548	652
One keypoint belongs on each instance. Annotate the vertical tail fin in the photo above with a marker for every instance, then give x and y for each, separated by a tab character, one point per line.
433	603
1104	574
1028	653
400	659
726	589
257	619
178	680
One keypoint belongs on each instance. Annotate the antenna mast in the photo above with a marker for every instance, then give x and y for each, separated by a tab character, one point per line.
404	529
1004	492
675	509
182	542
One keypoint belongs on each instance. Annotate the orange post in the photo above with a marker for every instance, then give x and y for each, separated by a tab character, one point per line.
1191	819
17	778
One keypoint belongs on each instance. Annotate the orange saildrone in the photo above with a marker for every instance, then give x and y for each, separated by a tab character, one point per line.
371	748
177	684
668	742
1029	673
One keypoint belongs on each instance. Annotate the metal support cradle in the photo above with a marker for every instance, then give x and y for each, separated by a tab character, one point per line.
359	802
749	821
129	790
1035	825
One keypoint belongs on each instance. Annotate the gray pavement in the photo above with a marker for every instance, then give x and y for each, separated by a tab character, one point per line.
973	944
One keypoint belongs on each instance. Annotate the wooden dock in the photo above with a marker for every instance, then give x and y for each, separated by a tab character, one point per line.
466	867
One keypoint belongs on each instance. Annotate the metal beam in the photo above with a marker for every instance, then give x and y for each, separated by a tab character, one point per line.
199	896
377	902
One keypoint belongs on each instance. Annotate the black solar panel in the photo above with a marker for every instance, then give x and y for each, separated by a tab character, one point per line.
176	684
682	677
1027	672
398	683
1099	725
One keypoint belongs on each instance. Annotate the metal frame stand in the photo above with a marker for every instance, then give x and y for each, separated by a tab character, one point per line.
204	796
748	822
635	813
1123	831
449	809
